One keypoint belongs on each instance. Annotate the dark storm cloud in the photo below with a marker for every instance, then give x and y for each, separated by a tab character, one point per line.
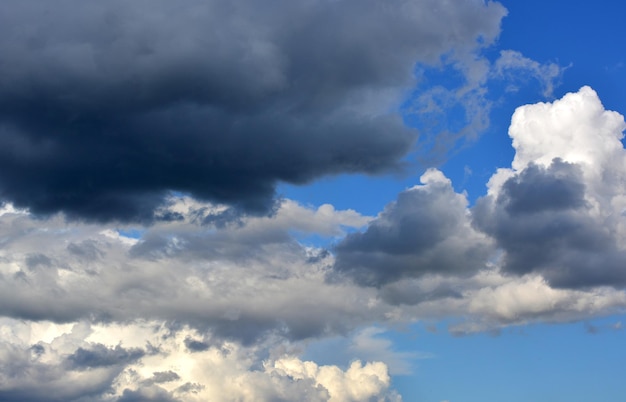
105	107
543	223
425	231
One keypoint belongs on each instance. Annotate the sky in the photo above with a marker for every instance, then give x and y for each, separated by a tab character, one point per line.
312	200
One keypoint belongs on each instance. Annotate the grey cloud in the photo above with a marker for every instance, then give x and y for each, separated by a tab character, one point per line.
318	256
27	380
242	282
37	260
107	107
425	231
99	355
151	394
230	216
85	250
194	345
207	245
189	388
37	350
211	235
280	289
536	190
408	293
543	223
164	376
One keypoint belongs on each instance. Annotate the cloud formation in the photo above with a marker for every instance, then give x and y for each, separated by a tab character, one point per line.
427	230
67	363
106	108
241	282
560	210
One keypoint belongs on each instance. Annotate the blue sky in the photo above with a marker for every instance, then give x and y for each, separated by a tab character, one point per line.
319	201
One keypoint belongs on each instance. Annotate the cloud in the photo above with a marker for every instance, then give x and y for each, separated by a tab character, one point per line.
454	99
64	369
186	117
222	372
359	382
101	356
531	298
560	210
108	107
557	213
427	255
240	282
575	128
370	345
513	63
164	376
544	244
543	222
426	231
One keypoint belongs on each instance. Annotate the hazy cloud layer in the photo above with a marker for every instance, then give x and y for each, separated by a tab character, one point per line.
106	107
241	282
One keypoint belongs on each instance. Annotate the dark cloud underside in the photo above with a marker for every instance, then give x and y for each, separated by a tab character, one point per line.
544	224
426	231
105	107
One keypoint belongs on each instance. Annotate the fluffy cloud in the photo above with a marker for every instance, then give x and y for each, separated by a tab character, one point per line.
427	230
107	107
560	210
545	243
68	363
